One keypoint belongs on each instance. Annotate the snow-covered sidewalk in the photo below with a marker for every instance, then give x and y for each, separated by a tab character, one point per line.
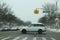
53	30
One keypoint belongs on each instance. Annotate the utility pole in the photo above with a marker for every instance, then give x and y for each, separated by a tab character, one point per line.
57	23
56	5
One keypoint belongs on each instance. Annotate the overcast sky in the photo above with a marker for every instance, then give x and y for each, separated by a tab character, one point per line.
24	9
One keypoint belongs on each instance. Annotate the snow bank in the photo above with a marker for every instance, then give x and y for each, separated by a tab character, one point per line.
53	30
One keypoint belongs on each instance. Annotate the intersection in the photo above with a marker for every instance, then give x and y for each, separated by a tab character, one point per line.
17	35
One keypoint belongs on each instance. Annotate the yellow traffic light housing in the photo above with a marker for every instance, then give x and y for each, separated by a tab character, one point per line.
36	11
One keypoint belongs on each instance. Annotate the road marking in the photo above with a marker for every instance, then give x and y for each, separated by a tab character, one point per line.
25	38
53	39
43	38
5	38
16	38
34	38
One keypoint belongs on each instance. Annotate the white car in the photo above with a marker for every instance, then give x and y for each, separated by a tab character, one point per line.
14	28
34	27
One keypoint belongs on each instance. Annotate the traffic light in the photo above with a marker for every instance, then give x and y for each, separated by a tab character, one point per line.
36	11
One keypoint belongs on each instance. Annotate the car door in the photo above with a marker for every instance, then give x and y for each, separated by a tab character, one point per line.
33	28
30	28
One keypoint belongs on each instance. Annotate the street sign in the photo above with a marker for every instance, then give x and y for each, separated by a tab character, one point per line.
46	11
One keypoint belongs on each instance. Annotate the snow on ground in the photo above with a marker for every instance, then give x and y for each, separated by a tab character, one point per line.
53	30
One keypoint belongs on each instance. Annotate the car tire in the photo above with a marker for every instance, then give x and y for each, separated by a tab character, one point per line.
40	31
24	31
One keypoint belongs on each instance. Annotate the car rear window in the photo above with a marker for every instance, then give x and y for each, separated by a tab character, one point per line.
37	25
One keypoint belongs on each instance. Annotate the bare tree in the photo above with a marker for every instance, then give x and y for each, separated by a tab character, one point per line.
50	18
50	7
7	17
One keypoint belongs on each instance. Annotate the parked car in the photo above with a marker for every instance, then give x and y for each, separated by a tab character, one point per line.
14	29
0	29
4	28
